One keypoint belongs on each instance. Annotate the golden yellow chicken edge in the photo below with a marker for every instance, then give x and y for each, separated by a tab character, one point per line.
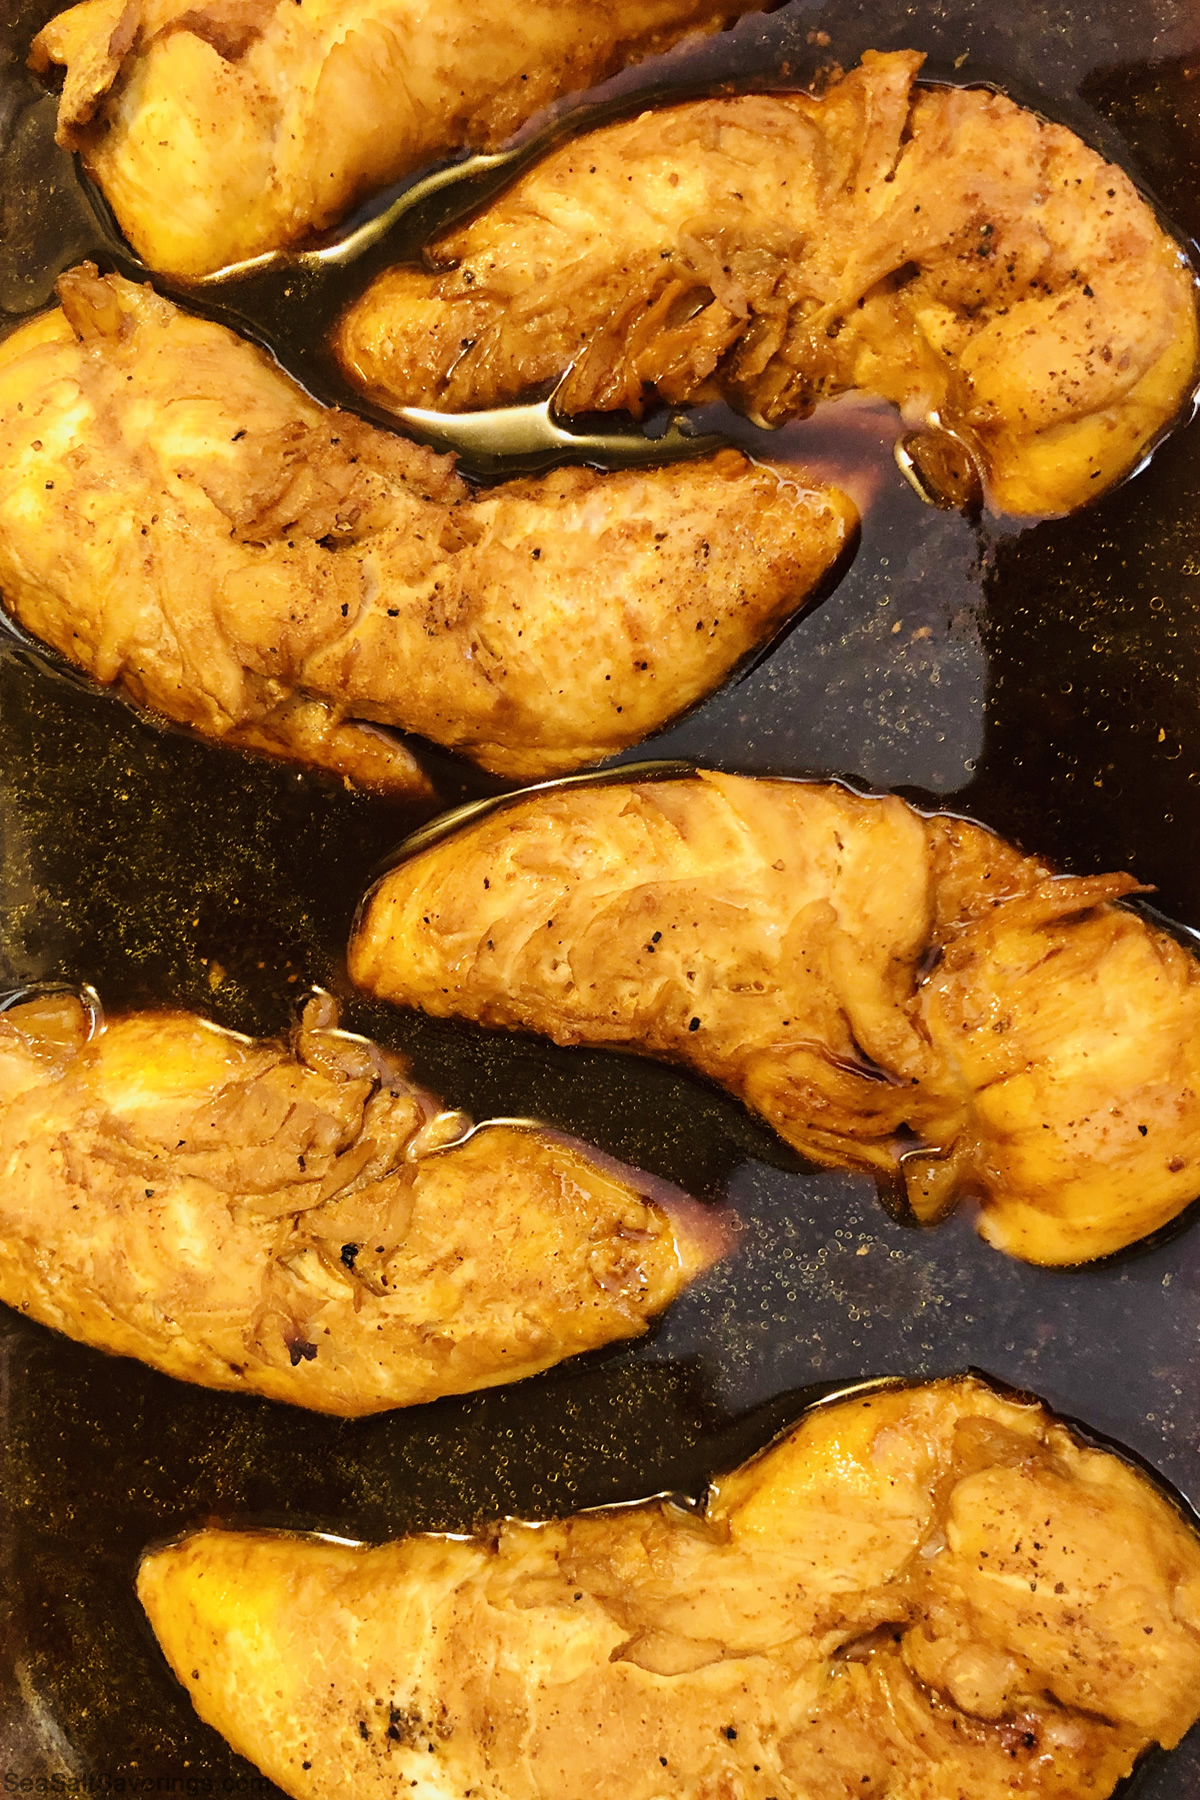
220	130
927	1592
984	270
305	1223
893	992
180	521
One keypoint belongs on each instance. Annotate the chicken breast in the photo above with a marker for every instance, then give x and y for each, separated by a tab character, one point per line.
984	270
220	129
179	519
895	993
927	1593
304	1223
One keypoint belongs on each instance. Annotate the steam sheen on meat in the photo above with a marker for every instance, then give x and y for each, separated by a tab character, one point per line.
178	518
220	129
924	1594
304	1223
900	994
1008	290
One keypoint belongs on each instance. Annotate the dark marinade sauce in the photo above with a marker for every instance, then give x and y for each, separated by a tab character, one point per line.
1045	680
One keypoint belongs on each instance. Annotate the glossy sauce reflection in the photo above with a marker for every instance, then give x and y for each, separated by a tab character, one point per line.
1044	680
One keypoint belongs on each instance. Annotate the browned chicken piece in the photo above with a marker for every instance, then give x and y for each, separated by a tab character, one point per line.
984	270
221	129
178	518
901	994
304	1222
928	1593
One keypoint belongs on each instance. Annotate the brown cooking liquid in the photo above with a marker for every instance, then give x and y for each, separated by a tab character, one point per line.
1045	680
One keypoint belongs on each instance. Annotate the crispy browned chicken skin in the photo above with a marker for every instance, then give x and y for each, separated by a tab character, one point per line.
929	1594
853	971
941	247
287	1222
219	129
177	517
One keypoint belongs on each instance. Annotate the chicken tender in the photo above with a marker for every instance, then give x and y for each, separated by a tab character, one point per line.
220	129
931	1593
900	994
304	1223
179	519
983	270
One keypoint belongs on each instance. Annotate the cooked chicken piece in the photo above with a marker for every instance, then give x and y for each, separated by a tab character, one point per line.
927	1593
853	971
220	129
177	517
982	269
304	1223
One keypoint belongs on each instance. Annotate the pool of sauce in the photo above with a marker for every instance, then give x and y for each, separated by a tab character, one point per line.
1045	680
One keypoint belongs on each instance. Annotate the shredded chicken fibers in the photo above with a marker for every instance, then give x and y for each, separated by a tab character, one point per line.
895	993
179	519
222	129
1006	288
929	1593
303	1222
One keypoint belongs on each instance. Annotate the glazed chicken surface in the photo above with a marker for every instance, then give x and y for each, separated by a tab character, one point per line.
303	1222
179	519
928	1593
1008	290
221	129
900	994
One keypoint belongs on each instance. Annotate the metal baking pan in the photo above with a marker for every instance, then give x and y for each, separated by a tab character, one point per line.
1044	680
